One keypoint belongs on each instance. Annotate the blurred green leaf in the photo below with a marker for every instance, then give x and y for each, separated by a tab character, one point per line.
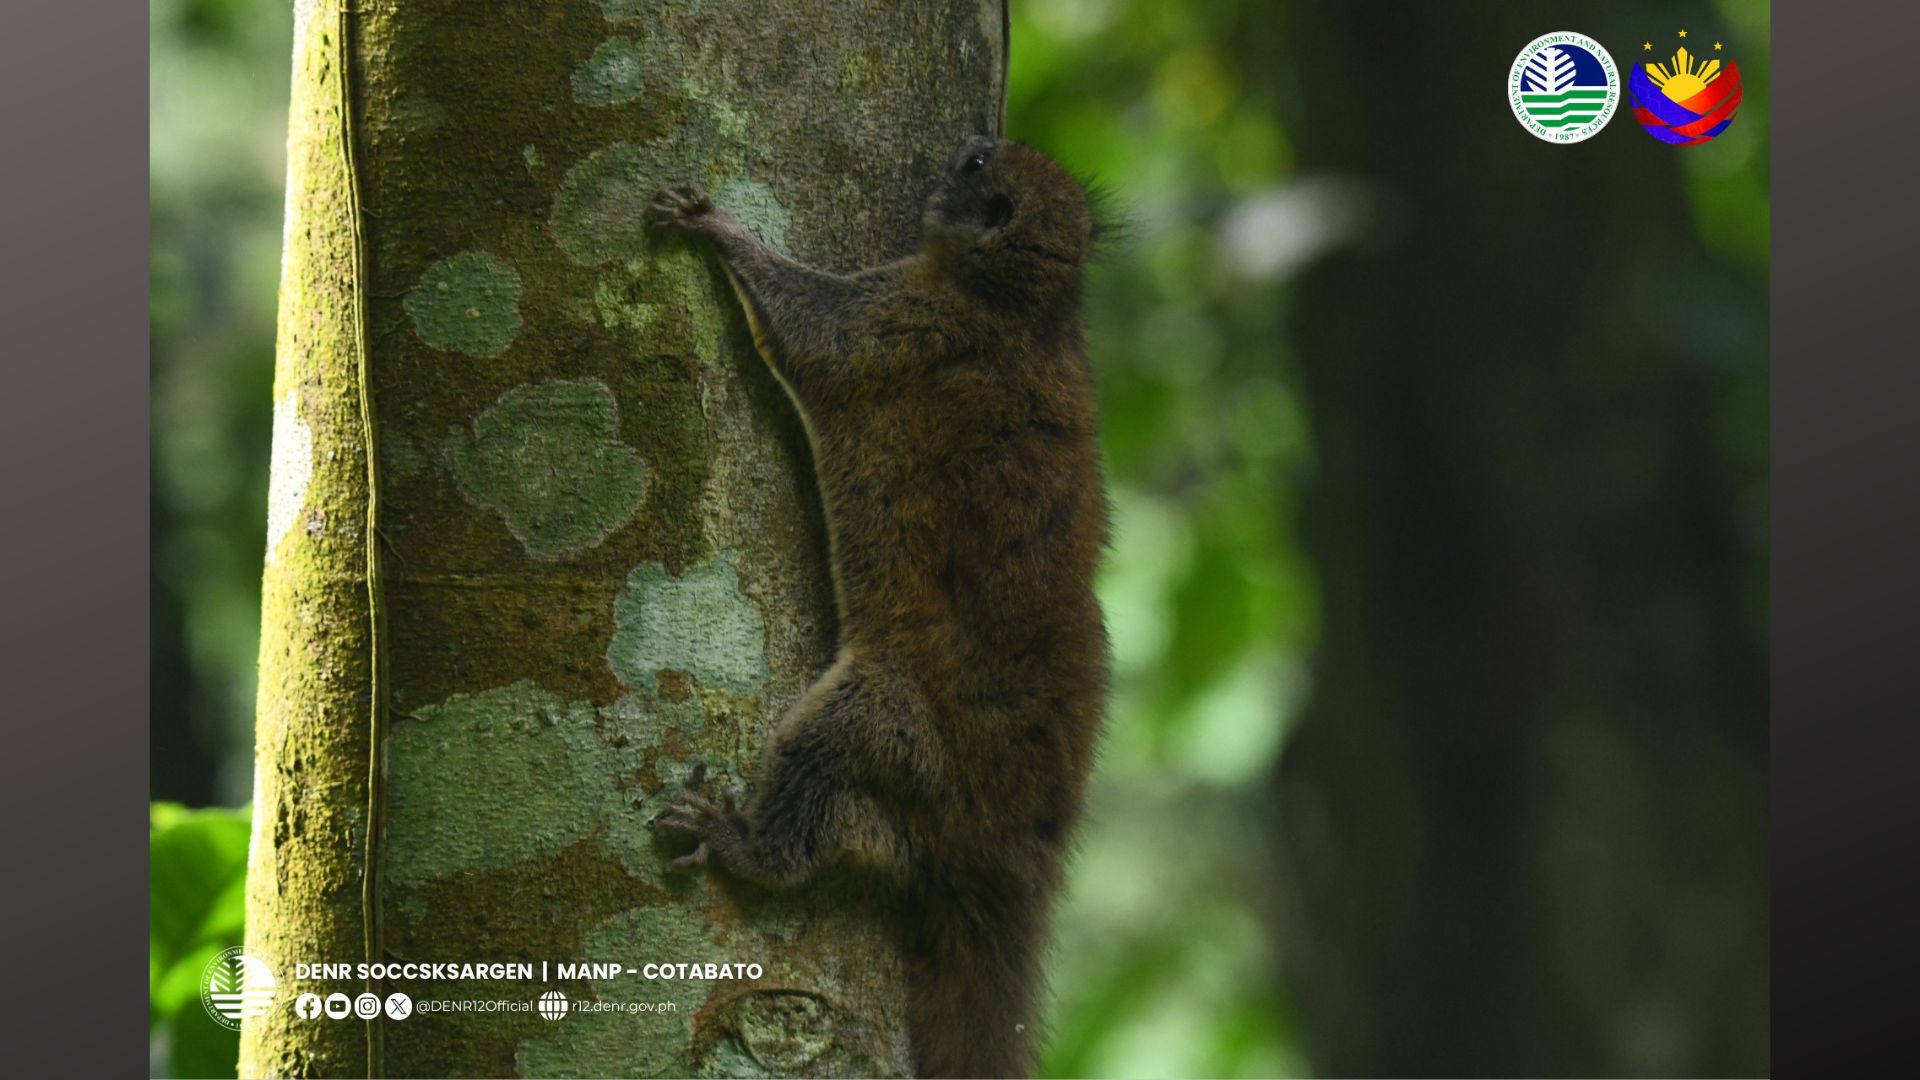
177	991
196	864
196	871
187	1041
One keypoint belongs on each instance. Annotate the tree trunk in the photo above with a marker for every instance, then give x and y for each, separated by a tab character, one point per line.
588	558
1526	809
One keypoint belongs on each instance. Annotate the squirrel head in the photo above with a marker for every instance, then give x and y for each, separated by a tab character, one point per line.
1006	216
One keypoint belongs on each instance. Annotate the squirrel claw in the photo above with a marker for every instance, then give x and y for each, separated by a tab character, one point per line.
693	860
679	207
690	817
693	816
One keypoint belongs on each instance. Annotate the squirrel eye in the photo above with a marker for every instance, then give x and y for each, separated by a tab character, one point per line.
975	163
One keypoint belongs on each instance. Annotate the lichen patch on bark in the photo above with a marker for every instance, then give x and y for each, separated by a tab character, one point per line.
671	742
513	774
486	780
548	459
699	623
783	1032
614	75
758	209
467	303
600	213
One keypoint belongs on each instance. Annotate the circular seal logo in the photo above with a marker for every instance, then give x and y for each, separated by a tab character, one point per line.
553	1005
235	986
1563	87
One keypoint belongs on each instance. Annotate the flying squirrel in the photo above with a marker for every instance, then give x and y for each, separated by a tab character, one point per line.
944	756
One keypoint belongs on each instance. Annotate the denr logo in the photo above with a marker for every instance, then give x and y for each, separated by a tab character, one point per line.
235	986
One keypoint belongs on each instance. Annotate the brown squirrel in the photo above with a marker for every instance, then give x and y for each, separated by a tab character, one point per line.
945	754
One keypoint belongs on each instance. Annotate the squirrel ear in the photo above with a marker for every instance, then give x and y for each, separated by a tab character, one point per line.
999	211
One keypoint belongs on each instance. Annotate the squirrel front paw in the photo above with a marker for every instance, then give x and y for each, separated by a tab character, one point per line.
686	208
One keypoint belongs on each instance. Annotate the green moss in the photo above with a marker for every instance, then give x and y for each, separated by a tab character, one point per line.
468	303
632	10
698	623
311	722
612	76
716	119
855	71
548	458
667	301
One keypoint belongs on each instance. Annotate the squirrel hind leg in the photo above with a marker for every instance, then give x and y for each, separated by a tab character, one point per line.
828	788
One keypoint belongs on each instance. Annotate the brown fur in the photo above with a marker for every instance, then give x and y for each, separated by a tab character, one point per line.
946	752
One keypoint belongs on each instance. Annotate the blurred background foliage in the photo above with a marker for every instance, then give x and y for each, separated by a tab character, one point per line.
197	910
1169	959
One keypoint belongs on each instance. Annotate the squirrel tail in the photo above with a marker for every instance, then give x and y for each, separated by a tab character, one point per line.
974	971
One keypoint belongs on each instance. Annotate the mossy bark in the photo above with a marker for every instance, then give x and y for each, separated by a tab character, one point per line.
598	550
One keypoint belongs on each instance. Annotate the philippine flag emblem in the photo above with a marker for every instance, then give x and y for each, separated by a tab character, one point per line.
1687	100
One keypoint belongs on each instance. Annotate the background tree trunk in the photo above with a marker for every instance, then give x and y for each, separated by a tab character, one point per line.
598	561
1526	808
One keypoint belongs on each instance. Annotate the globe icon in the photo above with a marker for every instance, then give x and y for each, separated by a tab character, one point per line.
553	1005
